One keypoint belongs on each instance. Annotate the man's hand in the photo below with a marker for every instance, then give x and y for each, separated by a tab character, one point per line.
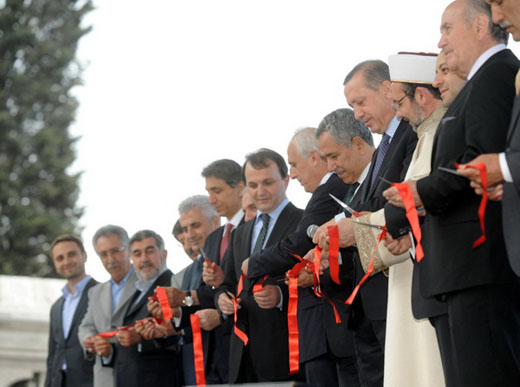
494	173
150	329
305	279
245	266
102	346
212	274
268	298
321	237
175	296
154	307
225	304
128	337
392	195
398	246
324	261
209	319
346	233
88	344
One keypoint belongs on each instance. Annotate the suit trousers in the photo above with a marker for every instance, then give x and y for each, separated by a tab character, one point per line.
369	343
479	338
321	372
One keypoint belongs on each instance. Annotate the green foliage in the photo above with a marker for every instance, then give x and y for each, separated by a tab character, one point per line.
38	69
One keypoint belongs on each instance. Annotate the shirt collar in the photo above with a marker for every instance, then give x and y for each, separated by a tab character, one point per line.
275	213
484	57
235	220
392	127
78	287
326	178
364	174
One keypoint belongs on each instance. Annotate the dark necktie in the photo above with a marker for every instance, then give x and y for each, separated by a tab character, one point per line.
350	193
381	152
225	240
263	232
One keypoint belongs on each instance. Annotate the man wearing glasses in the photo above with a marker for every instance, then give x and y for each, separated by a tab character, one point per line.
107	301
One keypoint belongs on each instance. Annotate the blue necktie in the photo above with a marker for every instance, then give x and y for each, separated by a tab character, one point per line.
381	152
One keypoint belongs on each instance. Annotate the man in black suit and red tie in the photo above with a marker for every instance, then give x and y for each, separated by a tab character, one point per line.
479	337
262	316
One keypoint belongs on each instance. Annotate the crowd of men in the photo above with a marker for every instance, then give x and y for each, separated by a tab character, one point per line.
424	290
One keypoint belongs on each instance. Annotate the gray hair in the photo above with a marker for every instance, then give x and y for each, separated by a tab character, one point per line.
476	7
198	201
228	170
109	230
143	234
375	72
304	140
343	127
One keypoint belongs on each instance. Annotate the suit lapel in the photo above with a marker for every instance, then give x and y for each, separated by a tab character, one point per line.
105	301
282	223
127	294
59	320
514	118
82	305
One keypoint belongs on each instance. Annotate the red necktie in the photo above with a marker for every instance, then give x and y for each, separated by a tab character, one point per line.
225	240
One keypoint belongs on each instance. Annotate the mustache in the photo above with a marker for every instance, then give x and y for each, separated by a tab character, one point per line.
339	171
113	266
145	264
505	24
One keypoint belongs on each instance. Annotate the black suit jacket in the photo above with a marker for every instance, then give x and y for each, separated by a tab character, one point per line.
511	201
152	364
475	123
316	322
68	349
267	329
374	292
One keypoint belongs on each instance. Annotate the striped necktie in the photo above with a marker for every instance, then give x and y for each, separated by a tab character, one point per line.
259	244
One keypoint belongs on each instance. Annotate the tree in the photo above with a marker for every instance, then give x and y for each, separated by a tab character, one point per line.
38	69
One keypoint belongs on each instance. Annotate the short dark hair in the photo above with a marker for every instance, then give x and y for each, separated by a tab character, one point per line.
67	238
259	159
225	169
375	72
177	229
143	234
409	89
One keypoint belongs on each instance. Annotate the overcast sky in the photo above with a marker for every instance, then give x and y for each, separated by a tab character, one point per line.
171	86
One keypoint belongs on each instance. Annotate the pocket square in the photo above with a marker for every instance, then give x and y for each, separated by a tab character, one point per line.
446	119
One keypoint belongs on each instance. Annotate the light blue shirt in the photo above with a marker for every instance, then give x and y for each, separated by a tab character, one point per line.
272	221
392	127
117	289
70	304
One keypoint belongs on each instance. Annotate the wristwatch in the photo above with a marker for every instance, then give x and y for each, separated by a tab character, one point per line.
188	301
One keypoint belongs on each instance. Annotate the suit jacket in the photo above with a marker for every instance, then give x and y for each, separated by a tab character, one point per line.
266	329
99	318
374	292
68	349
511	200
317	326
149	363
475	123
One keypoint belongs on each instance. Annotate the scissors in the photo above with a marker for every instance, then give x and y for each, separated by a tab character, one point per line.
343	205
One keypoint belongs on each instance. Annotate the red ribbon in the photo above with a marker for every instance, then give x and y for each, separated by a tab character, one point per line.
411	214
334	252
241	335
198	353
351	298
317	285
260	285
483	202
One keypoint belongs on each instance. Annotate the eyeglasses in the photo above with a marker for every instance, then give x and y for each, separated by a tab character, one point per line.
397	104
113	252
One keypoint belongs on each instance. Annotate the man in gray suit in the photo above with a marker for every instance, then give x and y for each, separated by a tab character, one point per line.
503	169
107	301
66	366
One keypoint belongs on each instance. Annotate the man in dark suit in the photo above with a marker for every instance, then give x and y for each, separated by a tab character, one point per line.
66	365
368	92
138	362
504	168
326	349
480	334
263	315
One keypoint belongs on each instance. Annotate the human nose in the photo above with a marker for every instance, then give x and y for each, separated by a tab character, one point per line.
359	114
292	173
442	41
